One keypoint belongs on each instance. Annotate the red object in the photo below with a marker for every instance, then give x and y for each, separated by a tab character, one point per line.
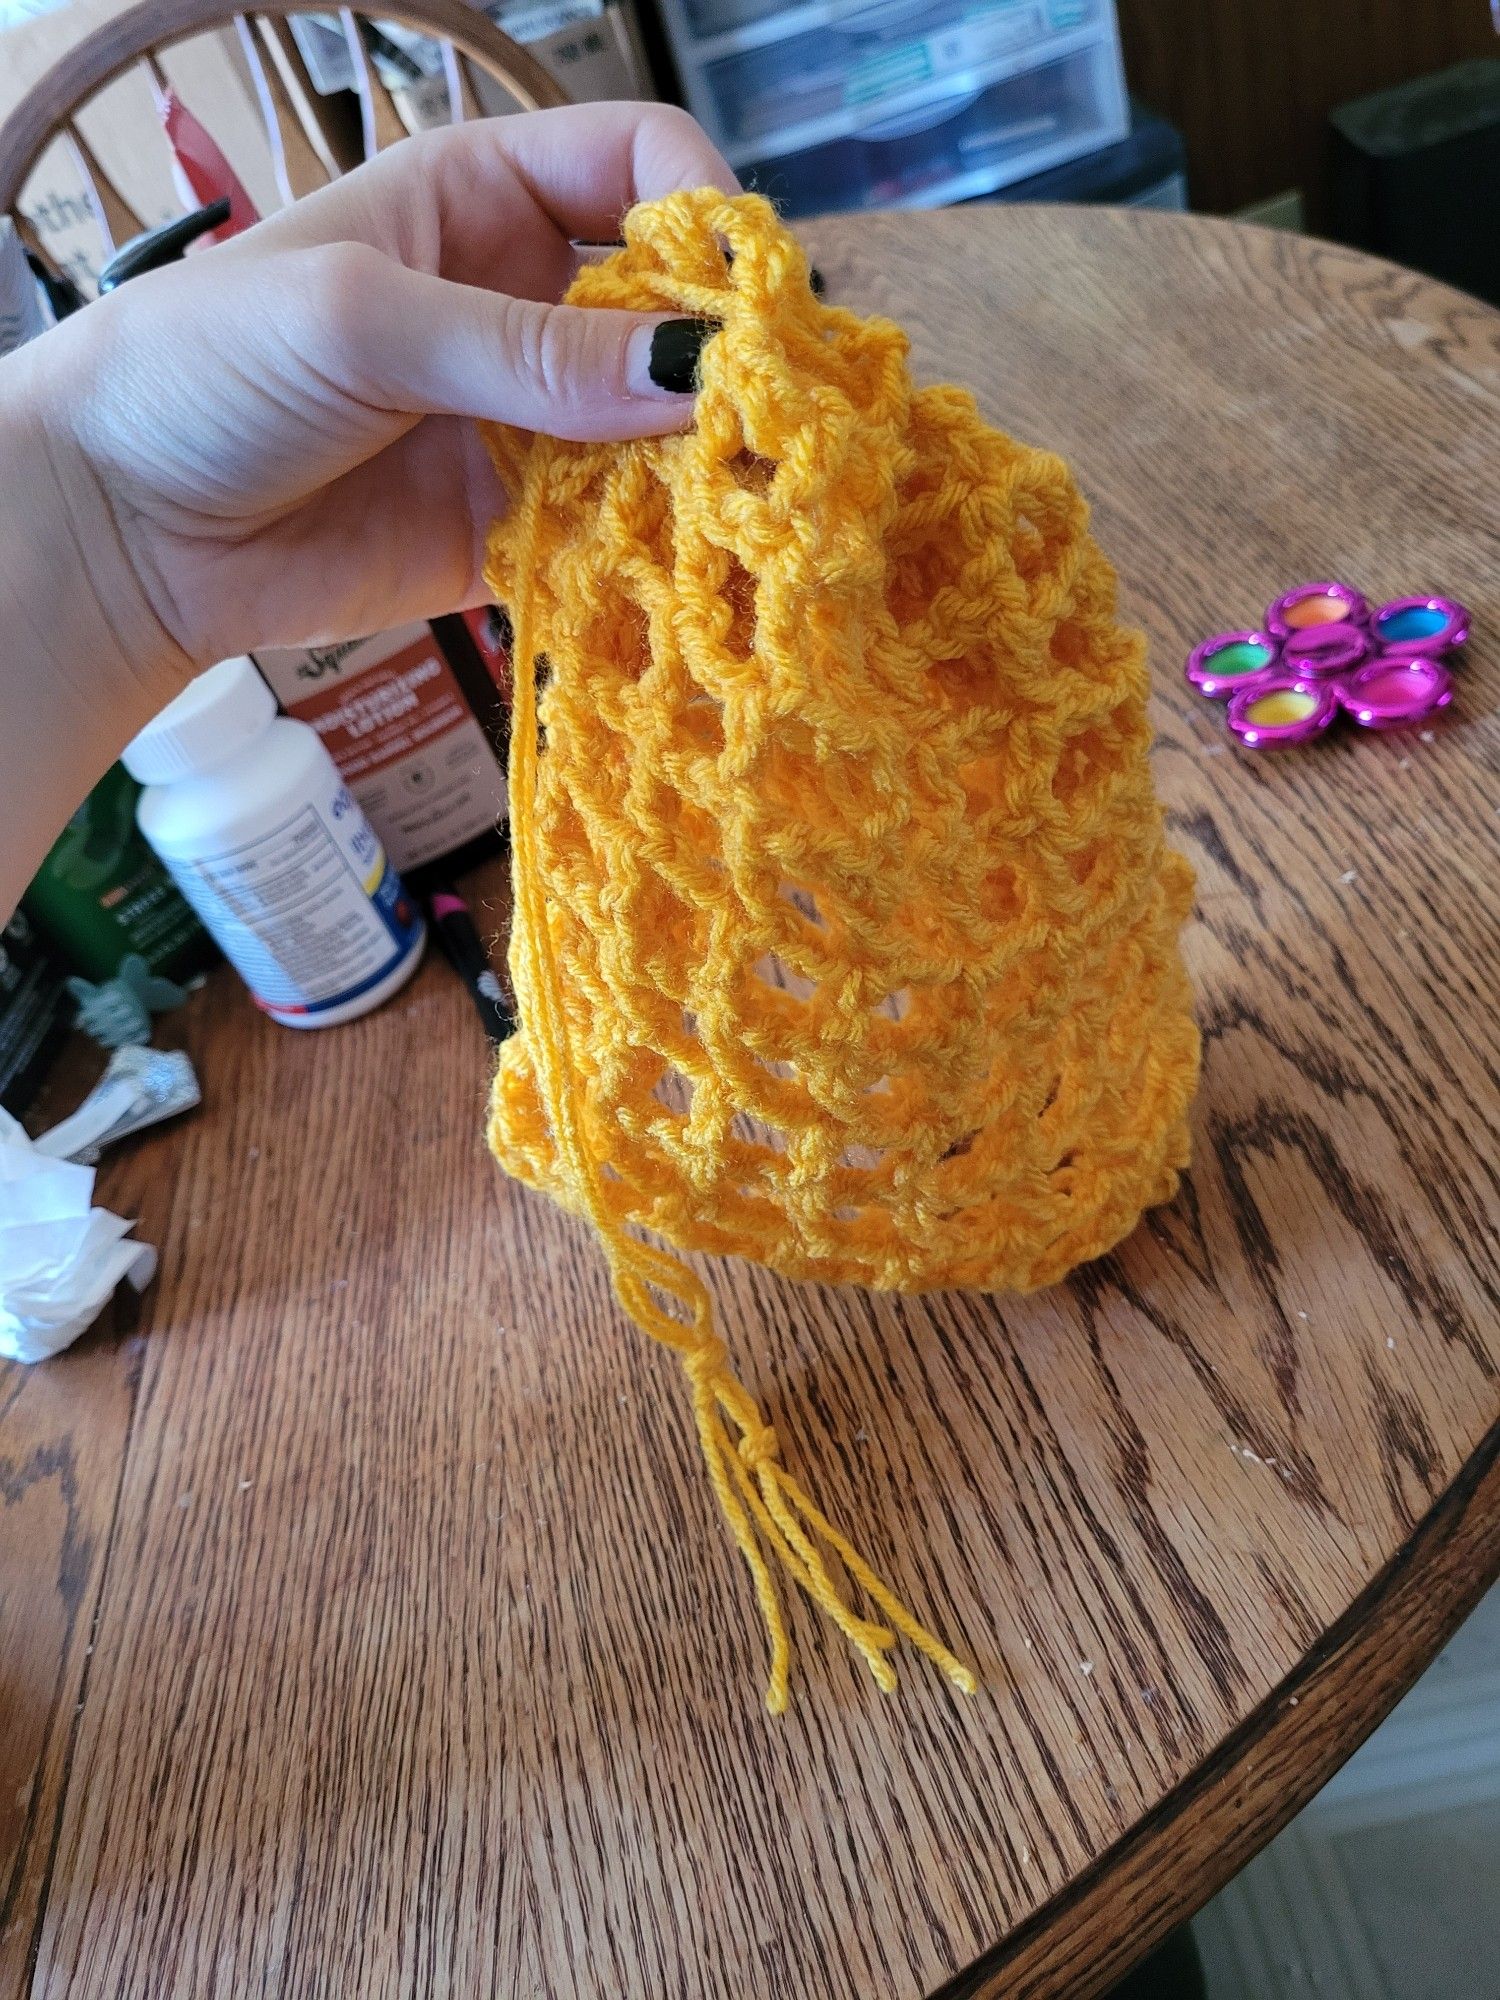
204	169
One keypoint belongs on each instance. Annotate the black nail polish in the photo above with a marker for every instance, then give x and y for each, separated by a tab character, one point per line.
675	347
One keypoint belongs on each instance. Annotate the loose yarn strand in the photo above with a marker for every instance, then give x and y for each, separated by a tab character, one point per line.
758	1499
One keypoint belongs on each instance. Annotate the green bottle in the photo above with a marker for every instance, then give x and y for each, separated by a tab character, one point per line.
101	893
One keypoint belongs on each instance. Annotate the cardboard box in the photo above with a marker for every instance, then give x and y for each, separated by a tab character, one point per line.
594	59
591	49
396	719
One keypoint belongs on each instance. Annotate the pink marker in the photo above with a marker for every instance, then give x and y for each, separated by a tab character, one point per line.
465	952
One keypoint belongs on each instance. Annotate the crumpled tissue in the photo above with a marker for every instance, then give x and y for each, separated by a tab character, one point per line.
60	1257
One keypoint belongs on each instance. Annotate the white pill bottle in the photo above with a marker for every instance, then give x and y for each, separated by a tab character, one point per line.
267	843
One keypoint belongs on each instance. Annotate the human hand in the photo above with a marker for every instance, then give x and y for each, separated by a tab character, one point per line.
273	443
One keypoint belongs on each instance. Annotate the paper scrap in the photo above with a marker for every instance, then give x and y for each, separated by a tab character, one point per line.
140	1087
60	1257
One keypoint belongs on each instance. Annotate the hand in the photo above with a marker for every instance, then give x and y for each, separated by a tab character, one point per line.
276	436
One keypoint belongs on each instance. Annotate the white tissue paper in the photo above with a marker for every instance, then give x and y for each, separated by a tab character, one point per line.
60	1257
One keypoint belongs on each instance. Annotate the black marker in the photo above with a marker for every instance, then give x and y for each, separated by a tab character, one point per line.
466	954
163	245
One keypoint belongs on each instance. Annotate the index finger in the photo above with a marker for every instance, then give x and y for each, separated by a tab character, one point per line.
496	202
587	163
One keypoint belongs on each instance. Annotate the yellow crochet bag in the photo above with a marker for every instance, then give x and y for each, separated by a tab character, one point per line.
845	931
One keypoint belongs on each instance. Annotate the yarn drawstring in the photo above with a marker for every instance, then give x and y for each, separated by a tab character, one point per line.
766	1509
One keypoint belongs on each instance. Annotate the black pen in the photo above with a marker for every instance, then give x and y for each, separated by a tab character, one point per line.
466	954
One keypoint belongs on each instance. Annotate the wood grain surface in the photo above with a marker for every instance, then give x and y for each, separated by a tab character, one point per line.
367	1626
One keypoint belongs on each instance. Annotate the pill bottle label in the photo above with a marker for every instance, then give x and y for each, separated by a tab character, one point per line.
311	914
393	717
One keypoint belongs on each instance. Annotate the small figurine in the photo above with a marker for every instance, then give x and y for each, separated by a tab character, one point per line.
117	1012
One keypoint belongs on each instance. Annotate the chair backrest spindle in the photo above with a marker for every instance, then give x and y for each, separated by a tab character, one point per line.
270	112
380	121
312	139
117	220
462	102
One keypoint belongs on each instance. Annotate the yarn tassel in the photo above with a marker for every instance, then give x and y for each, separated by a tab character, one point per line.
765	1507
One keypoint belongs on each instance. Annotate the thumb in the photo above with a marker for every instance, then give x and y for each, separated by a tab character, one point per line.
418	343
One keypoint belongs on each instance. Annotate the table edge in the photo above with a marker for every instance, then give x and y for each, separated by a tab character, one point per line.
1204	1831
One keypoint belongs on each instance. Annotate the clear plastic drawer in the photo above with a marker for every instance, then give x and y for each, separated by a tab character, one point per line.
961	146
830	82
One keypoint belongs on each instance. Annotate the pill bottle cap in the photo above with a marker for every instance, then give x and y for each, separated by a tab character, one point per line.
213	719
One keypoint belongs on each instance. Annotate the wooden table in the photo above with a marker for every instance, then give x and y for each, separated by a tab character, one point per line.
343	1652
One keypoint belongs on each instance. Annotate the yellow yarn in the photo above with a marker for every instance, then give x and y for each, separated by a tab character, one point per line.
845	931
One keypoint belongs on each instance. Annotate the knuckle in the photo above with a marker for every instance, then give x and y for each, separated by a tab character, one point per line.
339	280
558	359
570	364
543	354
670	121
670	143
520	339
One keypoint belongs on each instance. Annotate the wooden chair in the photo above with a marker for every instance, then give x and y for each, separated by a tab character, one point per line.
310	141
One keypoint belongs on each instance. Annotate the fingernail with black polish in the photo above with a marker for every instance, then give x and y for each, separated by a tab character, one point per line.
675	347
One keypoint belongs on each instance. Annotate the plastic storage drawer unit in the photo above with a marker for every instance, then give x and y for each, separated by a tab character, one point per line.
832	82
961	146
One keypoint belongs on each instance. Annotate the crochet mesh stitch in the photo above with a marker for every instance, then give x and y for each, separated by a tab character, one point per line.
846	931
